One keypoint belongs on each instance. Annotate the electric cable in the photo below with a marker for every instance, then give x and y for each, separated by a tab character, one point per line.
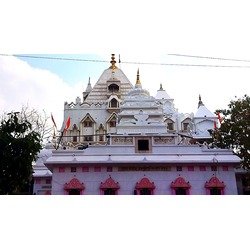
141	63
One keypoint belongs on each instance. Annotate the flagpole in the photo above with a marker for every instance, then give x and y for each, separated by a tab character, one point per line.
67	125
60	138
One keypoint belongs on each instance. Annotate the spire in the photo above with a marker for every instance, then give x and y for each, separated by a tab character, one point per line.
89	87
138	82
87	91
113	62
200	103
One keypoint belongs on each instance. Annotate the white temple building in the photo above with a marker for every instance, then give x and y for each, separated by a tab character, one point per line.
122	140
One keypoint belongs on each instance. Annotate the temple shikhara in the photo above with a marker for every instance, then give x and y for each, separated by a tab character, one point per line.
118	139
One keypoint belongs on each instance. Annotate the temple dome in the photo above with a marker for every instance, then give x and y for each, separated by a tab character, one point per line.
203	111
162	94
139	92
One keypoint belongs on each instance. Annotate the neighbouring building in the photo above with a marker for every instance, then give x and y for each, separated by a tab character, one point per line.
42	176
121	140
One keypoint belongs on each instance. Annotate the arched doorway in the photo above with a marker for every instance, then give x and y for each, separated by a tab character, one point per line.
74	187
180	186
144	187
214	186
109	187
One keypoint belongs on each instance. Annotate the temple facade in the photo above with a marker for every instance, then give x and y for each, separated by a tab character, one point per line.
118	139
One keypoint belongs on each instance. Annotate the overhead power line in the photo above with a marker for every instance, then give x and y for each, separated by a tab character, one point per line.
138	62
55	58
190	65
210	57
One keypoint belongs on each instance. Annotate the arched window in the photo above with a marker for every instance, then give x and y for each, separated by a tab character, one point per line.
113	88
113	103
112	123
185	124
101	131
109	187
214	186
180	186
74	127
74	187
87	123
112	120
144	187
170	124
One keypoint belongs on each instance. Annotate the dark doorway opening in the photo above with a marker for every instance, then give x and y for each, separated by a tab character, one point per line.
74	192
180	191
215	191
109	191
145	191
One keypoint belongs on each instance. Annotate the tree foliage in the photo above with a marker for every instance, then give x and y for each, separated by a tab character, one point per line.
234	132
40	121
19	145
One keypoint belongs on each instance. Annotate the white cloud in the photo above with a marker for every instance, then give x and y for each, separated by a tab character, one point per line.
139	31
22	84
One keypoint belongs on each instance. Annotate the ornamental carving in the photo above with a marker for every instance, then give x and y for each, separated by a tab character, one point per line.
145	183
180	183
109	183
145	168
214	182
74	184
163	140
122	140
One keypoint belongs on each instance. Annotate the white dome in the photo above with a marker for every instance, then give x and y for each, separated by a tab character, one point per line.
138	92
204	112
162	94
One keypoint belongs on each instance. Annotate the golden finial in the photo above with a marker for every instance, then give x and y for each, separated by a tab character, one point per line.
138	82
113	62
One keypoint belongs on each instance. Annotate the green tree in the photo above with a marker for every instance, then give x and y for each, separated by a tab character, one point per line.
234	132
19	145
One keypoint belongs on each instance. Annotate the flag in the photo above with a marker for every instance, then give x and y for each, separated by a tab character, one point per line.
67	124
219	117
53	120
215	125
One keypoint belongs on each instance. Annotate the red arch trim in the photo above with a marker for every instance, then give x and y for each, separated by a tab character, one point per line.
180	183
214	182
109	183
74	184
145	183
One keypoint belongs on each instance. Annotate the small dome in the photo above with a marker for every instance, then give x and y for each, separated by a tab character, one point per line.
161	94
139	92
204	112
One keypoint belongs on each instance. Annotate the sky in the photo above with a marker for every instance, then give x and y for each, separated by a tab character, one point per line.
140	31
149	32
